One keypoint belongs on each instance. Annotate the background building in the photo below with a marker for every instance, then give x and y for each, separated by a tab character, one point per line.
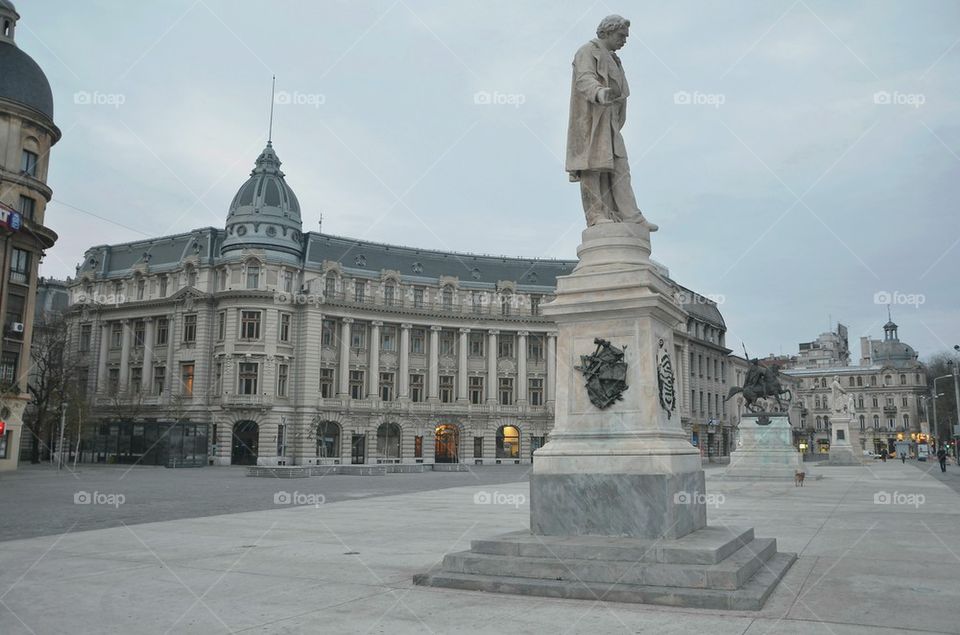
27	133
888	386
297	348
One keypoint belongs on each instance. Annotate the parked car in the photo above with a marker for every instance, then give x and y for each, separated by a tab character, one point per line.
871	454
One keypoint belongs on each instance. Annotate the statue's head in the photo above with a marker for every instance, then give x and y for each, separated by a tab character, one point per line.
613	31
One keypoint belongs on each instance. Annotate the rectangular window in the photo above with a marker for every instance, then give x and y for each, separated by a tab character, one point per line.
288	281
356	384
27	207
389	293
136	379
28	163
116	335
535	348
113	381
418	447
418	297
476	390
221	325
186	379
358	337
139	333
283	375
190	328
86	331
417	340
476	344
505	346
446	388
477	300
250	325
506	391
253	277
386	386
5	443
535	304
388	338
141	288
8	367
163	326
20	266
327	333
163	286
285	327
249	375
478	447
326	383
358	290
535	391
159	379
904	402
692	367
217	380
446	342
416	388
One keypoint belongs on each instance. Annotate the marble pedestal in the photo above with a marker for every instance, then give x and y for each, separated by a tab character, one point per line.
765	450
842	451
617	496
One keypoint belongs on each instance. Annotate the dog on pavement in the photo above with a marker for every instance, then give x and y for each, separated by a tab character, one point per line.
798	478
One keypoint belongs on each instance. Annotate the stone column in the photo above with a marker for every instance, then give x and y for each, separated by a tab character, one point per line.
433	393
124	356
171	345
551	386
462	395
104	353
373	368
404	379
147	356
522	367
343	381
492	366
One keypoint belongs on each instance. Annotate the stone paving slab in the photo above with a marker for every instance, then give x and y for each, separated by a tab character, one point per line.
863	567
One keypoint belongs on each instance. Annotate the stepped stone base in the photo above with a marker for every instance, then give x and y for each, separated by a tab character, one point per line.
714	567
766	450
843	455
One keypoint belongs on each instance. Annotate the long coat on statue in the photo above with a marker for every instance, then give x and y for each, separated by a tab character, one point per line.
593	134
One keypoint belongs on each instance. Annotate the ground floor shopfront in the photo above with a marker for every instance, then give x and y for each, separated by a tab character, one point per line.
714	439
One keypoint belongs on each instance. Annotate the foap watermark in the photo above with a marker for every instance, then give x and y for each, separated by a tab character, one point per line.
296	98
896	98
496	98
298	498
899	498
96	98
689	297
303	299
699	498
100	298
98	498
898	297
498	498
696	98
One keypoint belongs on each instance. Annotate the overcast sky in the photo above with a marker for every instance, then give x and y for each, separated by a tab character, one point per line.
799	156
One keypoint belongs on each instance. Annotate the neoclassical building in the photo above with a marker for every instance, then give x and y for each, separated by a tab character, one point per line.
888	385
27	133
313	349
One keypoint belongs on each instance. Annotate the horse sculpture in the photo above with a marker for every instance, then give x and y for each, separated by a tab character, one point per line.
762	383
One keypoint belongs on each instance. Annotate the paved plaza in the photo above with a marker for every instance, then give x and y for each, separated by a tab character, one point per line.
878	549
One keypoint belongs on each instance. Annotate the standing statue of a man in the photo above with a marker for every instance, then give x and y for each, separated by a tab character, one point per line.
596	155
837	395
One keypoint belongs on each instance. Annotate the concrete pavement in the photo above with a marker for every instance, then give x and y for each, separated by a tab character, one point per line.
878	550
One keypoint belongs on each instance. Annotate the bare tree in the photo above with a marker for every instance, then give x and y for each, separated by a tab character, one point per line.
938	366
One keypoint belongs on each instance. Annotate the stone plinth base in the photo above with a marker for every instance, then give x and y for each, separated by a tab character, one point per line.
843	455
637	505
766	450
714	567
842	450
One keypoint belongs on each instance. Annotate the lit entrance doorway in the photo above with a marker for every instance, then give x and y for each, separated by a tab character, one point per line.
246	435
358	449
447	444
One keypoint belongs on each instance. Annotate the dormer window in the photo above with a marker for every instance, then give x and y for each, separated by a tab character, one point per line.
28	163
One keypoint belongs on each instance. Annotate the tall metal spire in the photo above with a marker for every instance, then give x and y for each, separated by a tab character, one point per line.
273	90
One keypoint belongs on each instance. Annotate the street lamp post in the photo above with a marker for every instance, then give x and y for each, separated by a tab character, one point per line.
939	394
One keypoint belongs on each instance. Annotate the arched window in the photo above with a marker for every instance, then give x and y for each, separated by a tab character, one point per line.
388	441
447	298
863	422
508	442
906	422
888	380
850	382
860	403
328	440
876	422
903	380
191	275
816	401
819	423
859	381
253	274
330	285
506	300
141	287
873	380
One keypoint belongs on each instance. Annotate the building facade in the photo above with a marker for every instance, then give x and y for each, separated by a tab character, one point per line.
888	385
313	349
27	133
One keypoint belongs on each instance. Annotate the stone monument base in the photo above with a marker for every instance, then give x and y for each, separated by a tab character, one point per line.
842	450
712	568
766	450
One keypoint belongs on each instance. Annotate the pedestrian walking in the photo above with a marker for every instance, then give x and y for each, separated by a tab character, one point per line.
883	455
942	458
903	457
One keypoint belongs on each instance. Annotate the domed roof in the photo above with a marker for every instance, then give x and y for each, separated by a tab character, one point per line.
265	213
23	81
